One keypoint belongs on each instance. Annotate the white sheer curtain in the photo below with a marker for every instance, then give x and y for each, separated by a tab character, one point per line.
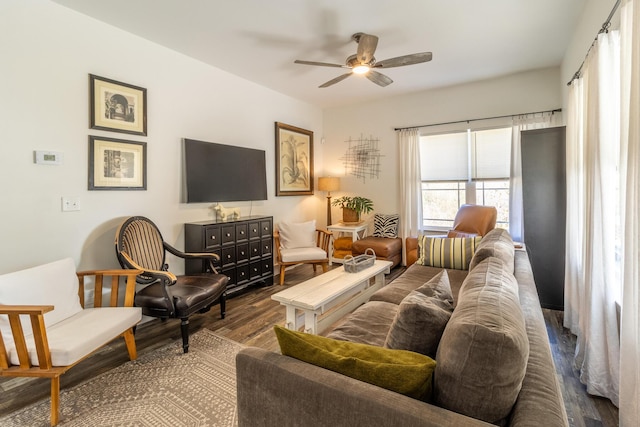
574	269
410	184
592	297
520	123
630	172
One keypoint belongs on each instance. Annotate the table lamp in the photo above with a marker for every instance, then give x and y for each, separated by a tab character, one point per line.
328	184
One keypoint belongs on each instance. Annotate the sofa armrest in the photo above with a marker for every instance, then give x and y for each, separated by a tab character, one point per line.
411	244
278	390
36	315
114	276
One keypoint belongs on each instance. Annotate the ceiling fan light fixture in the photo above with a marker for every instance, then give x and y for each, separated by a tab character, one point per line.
361	69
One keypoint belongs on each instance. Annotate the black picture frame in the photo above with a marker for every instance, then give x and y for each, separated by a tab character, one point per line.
294	161
117	164
116	106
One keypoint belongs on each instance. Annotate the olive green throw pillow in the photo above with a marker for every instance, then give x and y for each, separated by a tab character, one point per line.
402	371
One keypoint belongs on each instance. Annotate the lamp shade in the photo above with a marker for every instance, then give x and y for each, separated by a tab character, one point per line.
328	183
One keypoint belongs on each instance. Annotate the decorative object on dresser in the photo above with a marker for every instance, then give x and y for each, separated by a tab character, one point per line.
245	248
353	207
63	332
139	245
328	184
301	243
294	161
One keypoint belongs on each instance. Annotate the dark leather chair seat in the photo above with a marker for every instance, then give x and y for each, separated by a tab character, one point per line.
190	294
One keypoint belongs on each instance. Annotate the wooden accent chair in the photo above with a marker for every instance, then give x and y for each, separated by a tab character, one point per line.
63	332
139	245
296	254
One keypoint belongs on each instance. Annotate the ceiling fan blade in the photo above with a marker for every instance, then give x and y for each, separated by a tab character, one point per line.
415	58
336	80
378	78
366	47
321	64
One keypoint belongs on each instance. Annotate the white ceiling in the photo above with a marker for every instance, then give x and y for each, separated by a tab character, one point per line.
259	39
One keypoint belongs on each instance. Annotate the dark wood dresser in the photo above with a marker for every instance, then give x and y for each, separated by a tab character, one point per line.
245	247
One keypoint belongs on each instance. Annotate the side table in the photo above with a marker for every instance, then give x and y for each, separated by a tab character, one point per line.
357	231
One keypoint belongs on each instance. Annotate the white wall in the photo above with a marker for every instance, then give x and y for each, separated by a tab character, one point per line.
513	94
46	54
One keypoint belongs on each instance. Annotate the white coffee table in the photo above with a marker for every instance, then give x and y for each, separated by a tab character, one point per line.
319	302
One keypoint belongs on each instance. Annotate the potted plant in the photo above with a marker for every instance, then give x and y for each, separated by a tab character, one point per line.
352	207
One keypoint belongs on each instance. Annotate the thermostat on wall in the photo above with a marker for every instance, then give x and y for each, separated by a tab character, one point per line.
48	157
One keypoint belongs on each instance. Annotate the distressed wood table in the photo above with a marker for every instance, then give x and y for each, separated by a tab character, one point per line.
319	302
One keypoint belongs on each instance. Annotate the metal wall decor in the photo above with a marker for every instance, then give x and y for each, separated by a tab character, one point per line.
362	158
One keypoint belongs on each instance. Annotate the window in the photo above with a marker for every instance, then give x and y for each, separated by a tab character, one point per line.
464	167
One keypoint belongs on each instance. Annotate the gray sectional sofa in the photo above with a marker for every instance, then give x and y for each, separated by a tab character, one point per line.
494	351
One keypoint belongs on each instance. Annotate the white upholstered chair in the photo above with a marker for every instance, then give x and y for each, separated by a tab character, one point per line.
301	243
62	333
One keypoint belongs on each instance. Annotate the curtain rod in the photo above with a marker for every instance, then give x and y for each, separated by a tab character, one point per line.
604	29
557	110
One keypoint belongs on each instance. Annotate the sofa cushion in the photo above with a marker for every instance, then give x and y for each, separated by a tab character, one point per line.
302	254
297	234
401	371
422	317
73	338
385	225
483	353
496	243
414	277
368	324
53	284
455	253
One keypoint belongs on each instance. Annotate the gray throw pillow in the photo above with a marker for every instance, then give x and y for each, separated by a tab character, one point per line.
482	356
422	317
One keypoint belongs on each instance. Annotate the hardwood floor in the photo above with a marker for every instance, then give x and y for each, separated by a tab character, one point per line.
250	319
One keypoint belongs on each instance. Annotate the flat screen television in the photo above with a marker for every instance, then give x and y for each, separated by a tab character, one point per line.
223	173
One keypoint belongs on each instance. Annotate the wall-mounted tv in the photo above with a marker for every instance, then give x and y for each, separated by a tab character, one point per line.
223	173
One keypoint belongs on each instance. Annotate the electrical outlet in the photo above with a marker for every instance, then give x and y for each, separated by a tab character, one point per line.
70	204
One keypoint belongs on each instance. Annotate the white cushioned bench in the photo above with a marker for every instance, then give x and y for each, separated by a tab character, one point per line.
50	298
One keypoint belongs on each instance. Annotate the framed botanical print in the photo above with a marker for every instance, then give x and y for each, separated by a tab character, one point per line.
294	161
117	106
116	164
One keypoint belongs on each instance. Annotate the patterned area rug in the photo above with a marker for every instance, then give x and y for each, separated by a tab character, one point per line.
163	388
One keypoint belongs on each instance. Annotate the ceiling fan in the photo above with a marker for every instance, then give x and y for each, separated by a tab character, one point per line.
363	62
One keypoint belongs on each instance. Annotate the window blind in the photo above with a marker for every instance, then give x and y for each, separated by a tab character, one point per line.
444	157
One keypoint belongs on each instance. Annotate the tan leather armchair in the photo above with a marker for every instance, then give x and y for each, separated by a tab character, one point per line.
470	220
473	220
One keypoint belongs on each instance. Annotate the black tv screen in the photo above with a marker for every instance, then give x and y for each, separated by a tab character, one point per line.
221	173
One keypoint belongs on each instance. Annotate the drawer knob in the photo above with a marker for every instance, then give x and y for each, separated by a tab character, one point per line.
255	230
213	237
228	234
228	256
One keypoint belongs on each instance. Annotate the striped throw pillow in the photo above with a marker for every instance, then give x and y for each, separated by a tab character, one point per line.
385	225
454	253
